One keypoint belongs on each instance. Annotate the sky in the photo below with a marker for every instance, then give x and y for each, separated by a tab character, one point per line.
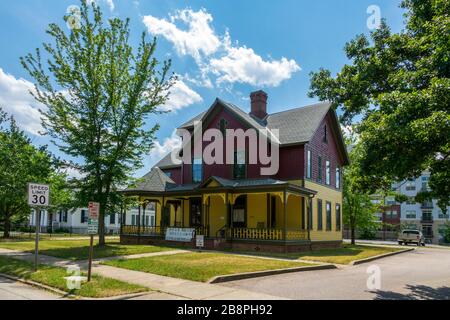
218	48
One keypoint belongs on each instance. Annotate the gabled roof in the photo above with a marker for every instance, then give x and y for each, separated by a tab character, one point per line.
166	162
156	180
296	126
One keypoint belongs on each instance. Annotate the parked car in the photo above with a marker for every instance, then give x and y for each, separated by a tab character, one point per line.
411	236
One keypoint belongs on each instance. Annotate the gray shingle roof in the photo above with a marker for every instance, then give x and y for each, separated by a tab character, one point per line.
298	125
247	183
156	180
166	162
295	125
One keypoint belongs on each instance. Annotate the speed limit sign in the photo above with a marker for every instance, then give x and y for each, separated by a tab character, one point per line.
38	195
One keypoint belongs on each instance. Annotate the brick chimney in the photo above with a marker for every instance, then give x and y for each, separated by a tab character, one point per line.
259	104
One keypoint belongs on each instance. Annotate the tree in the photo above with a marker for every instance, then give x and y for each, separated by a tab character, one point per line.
20	163
98	92
358	209
399	86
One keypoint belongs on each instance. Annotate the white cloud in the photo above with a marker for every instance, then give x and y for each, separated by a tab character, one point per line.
160	150
197	40
243	65
110	3
16	100
181	96
217	55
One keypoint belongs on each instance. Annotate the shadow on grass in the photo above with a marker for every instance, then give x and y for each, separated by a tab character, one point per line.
417	292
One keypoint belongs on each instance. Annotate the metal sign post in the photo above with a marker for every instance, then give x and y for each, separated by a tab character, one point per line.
38	197
94	210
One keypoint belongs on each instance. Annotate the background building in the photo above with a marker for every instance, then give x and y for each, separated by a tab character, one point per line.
427	216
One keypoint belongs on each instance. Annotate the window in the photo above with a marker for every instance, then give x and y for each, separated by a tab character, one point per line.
169	174
64	216
327	177
112	219
338	217
328	216
197	172
390	200
223	126
410	186
391	214
319	215
239	171
319	169
338	178
325	134
83	216
443	216
133	220
411	215
239	209
308	165
196	212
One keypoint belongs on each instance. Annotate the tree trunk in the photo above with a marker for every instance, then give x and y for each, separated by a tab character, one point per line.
7	227
101	225
352	236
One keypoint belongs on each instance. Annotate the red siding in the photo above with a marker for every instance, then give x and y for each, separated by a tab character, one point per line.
328	152
175	174
292	158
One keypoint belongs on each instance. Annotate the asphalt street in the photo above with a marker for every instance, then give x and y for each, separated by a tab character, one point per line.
420	274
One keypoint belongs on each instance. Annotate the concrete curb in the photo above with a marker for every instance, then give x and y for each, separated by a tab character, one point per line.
38	285
257	274
65	294
357	262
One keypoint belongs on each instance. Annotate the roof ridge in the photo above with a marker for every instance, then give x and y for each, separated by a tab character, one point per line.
301	108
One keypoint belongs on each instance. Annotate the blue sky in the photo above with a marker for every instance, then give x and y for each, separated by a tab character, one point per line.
220	48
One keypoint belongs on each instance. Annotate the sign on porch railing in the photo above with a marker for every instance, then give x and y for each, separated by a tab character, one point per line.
180	234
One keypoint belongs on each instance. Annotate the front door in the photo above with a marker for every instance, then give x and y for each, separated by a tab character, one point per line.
195	212
240	212
165	221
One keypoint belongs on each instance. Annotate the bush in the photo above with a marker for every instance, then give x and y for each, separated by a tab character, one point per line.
368	233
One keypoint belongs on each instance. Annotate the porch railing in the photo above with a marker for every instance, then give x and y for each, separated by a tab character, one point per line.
266	234
157	231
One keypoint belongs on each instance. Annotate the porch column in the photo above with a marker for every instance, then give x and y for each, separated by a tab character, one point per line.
182	212
139	220
303	206
144	207
285	216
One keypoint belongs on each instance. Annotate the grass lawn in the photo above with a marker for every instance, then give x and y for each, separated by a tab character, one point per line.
99	287
79	249
344	255
201	266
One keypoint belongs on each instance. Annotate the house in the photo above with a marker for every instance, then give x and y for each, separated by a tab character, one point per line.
238	204
71	221
426	216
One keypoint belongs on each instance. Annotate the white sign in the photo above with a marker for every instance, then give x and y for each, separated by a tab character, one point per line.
180	234
94	209
200	241
92	226
38	195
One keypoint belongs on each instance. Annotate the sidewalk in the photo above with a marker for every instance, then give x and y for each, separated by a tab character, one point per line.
171	288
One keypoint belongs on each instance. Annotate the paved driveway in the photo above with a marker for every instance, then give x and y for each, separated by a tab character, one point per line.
420	274
12	290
